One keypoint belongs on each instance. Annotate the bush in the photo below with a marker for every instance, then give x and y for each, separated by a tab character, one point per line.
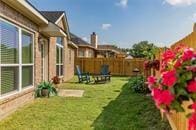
138	85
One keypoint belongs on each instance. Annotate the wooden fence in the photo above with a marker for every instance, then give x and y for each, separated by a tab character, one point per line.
117	66
179	121
189	41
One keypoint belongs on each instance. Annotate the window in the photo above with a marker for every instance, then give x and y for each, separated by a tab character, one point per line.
81	53
91	53
16	58
59	56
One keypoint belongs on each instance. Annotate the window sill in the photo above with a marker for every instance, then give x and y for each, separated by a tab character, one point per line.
15	94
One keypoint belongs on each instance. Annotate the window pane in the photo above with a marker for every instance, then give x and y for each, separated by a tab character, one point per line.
59	40
57	70
61	70
27	76
9	79
8	43
27	50
61	55
57	54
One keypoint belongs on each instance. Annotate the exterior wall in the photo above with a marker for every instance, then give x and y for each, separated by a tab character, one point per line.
11	102
65	59
70	63
52	57
87	52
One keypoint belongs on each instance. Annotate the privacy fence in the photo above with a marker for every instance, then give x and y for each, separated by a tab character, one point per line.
189	41
117	66
178	121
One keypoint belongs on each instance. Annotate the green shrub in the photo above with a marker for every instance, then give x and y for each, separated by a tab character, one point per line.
48	86
138	85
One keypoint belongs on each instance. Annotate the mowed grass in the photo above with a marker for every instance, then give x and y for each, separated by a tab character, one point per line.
111	106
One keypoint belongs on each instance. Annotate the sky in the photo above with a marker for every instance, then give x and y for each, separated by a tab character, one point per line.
126	22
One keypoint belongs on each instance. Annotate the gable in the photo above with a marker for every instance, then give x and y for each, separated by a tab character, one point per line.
63	24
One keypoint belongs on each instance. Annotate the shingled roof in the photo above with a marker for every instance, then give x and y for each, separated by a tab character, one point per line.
79	41
110	47
52	16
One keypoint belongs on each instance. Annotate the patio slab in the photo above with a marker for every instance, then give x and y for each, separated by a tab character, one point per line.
70	93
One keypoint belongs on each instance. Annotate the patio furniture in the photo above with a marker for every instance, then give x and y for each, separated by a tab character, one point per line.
104	75
82	76
101	78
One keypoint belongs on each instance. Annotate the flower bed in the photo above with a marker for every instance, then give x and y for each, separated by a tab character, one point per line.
176	85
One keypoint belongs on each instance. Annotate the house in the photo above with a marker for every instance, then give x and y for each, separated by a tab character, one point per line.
34	47
94	50
84	48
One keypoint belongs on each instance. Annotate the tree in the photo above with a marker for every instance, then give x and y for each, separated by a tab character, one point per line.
143	49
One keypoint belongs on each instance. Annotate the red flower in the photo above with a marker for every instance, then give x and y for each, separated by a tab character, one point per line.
191	68
191	86
188	54
169	78
168	55
162	97
193	106
151	80
178	63
192	122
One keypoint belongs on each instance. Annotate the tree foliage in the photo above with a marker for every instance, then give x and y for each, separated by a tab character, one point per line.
143	49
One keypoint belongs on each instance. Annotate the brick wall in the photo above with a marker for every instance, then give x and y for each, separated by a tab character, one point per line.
10	103
52	57
70	63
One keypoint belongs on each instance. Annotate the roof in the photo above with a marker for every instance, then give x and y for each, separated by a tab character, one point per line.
28	10
52	16
110	47
79	41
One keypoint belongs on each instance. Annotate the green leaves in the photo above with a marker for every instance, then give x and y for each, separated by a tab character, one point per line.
177	106
45	85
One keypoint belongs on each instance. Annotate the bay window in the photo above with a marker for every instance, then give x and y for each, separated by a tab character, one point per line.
59	56
16	58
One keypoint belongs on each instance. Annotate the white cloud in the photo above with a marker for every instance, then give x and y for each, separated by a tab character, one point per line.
106	26
122	3
85	39
194	17
180	2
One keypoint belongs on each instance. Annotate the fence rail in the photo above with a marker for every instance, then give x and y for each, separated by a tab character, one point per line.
117	66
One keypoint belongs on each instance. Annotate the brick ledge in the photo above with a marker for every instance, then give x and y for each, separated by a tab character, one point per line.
14	96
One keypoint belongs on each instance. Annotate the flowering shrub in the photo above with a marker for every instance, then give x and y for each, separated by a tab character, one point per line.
177	82
155	64
56	80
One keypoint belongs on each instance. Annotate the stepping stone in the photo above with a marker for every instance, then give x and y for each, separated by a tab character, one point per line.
70	93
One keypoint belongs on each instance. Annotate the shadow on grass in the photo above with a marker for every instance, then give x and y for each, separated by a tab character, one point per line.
130	111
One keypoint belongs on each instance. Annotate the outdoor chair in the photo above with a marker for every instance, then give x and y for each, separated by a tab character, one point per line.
103	76
82	76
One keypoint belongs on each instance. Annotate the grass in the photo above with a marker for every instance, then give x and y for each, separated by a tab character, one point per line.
111	106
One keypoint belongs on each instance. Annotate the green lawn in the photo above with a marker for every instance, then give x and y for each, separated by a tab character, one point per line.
110	106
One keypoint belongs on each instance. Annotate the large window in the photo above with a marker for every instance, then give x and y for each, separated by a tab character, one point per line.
59	56
16	58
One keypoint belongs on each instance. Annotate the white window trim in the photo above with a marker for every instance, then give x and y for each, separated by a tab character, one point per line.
60	46
19	65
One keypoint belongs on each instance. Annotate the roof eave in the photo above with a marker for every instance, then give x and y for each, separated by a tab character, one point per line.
27	10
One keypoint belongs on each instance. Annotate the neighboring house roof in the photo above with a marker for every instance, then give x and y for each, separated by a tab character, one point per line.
110	48
52	16
79	41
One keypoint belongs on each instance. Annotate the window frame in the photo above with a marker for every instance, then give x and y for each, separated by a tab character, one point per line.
20	64
60	46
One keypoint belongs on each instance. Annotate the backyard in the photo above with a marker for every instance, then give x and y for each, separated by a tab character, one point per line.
103	107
